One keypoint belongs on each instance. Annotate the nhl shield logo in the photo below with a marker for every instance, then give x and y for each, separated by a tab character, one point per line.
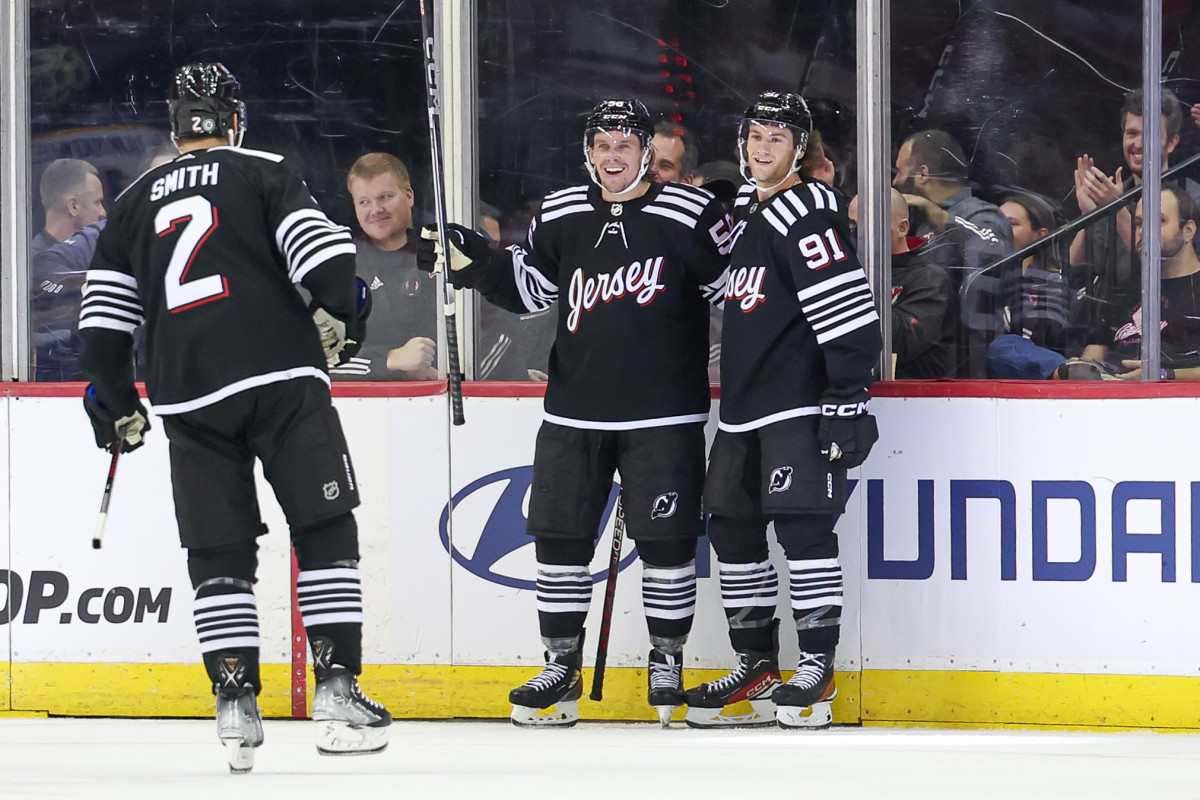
332	490
781	480
665	505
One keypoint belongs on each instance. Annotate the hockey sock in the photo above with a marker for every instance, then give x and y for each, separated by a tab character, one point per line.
332	608
817	603
564	594
749	593
669	597
226	616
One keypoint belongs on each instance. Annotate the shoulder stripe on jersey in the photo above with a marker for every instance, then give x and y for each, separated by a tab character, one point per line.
781	208
536	290
839	305
827	199
574	198
686	203
796	203
697	193
248	152
563	192
565	210
669	213
776	223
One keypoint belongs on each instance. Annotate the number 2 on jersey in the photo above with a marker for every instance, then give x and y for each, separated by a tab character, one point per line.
194	218
819	254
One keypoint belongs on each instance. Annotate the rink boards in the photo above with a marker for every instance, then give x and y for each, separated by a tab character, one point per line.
1009	561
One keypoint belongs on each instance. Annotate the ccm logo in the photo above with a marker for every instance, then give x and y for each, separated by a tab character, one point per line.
845	409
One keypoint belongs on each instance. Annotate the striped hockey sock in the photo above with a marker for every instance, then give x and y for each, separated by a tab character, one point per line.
226	617
564	594
332	608
749	593
669	597
816	586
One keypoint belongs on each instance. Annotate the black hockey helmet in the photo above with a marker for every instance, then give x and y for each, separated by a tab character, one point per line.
625	114
778	109
203	100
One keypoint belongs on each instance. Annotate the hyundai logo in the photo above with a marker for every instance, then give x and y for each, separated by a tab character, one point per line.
499	500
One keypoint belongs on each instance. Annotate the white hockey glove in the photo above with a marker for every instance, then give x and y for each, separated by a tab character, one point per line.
467	248
129	430
342	339
846	431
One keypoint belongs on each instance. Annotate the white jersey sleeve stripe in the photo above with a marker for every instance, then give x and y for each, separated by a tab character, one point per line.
111	276
669	214
852	325
536	291
289	226
782	210
796	203
830	199
565	210
320	258
831	284
674	199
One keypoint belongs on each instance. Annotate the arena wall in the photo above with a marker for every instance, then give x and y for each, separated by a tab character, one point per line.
1029	559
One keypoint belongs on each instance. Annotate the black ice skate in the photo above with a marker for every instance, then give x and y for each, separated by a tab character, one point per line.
550	698
753	680
665	676
805	700
239	720
348	722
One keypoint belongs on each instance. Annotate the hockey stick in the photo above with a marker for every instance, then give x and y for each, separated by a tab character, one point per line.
439	205
610	591
98	536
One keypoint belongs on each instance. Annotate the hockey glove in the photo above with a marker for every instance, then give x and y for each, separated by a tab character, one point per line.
846	431
128	429
467	248
342	339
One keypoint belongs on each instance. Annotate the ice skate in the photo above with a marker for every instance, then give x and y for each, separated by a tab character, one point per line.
665	676
349	722
550	698
239	720
752	681
805	700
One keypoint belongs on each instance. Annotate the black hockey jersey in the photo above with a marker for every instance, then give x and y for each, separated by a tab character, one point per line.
800	325
206	250
633	282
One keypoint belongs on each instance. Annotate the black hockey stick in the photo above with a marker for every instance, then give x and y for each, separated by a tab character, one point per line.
439	205
98	536
610	591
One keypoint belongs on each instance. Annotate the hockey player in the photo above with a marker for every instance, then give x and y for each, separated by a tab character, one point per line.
205	250
636	263
800	343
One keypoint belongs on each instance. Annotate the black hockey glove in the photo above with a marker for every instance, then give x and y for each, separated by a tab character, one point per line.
846	431
342	339
129	429
467	248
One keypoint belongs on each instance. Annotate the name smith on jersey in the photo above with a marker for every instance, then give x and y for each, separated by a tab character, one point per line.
185	178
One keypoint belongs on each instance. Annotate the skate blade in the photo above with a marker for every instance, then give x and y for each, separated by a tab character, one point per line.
814	717
761	714
561	715
241	757
664	714
344	739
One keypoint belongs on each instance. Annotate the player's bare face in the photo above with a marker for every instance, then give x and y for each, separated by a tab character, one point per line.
617	158
770	153
384	209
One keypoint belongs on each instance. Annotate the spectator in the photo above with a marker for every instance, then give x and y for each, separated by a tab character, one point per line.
923	321
675	153
404	318
968	234
816	163
1036	317
72	197
1121	335
1104	252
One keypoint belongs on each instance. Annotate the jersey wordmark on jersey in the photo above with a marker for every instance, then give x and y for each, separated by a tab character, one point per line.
636	280
799	316
206	250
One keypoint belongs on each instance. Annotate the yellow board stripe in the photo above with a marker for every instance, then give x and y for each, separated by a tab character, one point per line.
872	697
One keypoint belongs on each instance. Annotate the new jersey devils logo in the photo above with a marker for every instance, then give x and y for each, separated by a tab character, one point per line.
665	505
781	480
